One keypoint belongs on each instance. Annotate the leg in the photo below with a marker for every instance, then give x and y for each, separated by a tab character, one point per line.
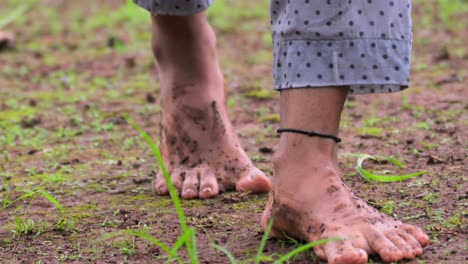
198	143
321	49
311	202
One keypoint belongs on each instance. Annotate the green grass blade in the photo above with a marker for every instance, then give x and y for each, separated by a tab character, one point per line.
228	254
181	241
264	258
167	177
193	250
189	243
305	247
153	241
392	160
369	176
263	243
51	199
24	196
19	11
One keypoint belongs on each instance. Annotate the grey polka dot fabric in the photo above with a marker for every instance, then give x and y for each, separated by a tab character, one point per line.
363	44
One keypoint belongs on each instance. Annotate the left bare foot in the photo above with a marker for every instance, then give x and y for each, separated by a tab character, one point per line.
203	154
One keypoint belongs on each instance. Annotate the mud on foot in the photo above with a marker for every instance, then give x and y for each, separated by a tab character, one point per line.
203	154
327	208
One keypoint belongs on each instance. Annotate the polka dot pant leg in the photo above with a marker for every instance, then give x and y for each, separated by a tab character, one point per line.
364	44
174	7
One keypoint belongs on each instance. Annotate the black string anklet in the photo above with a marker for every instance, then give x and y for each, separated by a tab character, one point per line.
308	133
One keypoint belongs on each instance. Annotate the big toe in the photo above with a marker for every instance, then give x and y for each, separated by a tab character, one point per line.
254	181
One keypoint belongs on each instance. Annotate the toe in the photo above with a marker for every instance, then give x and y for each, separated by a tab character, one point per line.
190	185
267	214
414	244
177	179
417	233
401	244
208	185
254	181
344	252
382	246
160	186
319	252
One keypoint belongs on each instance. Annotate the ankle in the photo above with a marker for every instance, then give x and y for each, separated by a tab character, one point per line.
188	61
311	165
198	94
301	151
184	44
298	145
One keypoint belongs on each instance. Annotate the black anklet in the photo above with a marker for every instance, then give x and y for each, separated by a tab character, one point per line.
309	133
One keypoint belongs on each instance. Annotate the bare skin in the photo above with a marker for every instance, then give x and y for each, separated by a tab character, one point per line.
309	200
198	143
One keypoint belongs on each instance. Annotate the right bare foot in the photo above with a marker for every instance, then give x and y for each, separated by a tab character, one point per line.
198	144
310	202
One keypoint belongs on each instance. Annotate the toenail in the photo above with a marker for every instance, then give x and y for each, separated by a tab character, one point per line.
187	191
207	190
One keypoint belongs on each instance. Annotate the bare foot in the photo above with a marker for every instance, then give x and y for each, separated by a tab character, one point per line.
203	153
310	202
198	143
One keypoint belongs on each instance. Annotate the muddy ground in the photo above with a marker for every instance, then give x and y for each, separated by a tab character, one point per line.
76	67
